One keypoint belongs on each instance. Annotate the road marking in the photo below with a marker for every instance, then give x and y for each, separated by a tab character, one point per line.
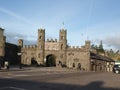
17	88
13	75
21	75
7	77
14	88
17	75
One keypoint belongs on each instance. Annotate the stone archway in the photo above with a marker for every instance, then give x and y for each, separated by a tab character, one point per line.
50	61
34	62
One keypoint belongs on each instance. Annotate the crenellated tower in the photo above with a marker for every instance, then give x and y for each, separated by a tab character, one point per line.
41	46
87	44
2	42
63	39
20	42
62	45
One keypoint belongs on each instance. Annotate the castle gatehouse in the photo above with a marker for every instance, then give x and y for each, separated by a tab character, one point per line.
57	53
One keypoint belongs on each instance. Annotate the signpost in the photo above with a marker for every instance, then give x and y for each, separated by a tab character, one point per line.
19	58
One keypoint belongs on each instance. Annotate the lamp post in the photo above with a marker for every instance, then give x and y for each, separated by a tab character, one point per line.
19	58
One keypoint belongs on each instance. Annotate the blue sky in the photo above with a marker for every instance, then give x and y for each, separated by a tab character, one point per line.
84	19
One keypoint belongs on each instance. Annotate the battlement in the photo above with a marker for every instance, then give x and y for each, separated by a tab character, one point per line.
74	47
30	46
41	30
1	29
63	30
82	48
51	40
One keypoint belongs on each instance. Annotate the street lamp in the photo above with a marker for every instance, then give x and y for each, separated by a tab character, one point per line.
19	58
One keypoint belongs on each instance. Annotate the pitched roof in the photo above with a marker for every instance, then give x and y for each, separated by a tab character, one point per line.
100	57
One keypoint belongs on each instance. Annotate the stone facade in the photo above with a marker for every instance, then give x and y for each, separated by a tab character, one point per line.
63	55
2	43
54	53
5	50
101	63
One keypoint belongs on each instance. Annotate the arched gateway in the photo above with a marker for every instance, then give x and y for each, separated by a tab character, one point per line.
55	53
50	60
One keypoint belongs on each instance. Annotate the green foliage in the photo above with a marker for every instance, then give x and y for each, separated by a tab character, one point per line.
115	55
94	46
99	48
118	59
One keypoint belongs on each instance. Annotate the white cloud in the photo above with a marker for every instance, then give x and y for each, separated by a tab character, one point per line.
113	42
108	32
13	38
52	22
15	15
17	26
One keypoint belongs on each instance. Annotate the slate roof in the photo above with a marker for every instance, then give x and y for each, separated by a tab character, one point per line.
100	57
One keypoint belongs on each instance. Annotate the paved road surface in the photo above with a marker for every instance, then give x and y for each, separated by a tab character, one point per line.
58	79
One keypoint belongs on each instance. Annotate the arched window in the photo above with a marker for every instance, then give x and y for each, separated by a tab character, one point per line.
40	37
73	65
62	37
39	55
61	46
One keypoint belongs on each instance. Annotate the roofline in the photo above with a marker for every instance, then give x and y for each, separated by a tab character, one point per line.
1	29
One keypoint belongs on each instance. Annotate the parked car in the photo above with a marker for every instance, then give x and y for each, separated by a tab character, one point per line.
116	69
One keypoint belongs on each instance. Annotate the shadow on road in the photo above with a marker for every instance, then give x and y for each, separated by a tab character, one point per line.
12	84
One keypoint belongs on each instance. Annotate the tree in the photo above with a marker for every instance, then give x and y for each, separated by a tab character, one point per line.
101	45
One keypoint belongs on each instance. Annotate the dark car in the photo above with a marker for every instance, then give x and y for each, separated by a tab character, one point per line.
116	69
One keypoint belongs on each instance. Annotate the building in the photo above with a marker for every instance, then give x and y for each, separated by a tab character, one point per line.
2	46
59	54
2	42
53	53
5	51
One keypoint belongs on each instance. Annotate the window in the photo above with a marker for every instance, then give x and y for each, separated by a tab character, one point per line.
39	55
40	37
62	37
61	46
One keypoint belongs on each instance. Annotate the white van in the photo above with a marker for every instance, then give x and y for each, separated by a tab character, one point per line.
117	63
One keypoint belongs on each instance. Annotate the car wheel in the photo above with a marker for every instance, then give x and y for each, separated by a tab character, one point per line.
116	71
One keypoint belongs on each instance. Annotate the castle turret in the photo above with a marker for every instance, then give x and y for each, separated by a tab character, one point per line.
63	39
62	46
41	46
2	42
20	42
87	44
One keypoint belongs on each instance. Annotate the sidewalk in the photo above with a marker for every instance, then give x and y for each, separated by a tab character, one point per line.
16	68
13	69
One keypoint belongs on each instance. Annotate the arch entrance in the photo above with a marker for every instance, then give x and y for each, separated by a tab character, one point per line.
33	61
50	60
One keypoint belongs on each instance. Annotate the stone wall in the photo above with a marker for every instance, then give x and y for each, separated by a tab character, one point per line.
76	58
2	42
28	52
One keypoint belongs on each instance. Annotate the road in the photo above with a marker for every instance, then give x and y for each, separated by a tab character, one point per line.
58	79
